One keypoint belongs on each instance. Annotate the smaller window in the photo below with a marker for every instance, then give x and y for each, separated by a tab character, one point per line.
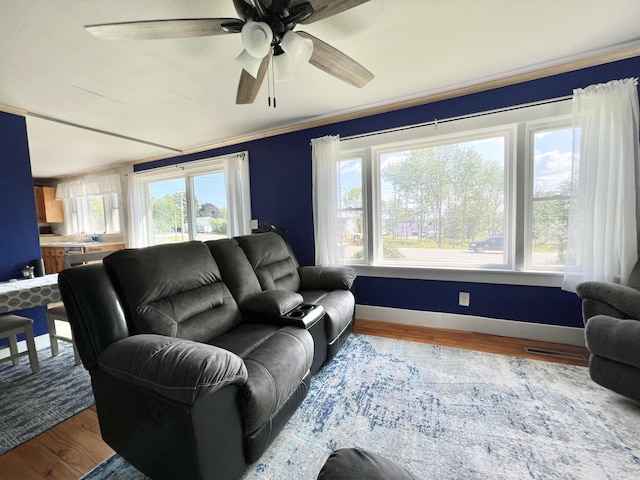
350	210
92	214
201	200
551	148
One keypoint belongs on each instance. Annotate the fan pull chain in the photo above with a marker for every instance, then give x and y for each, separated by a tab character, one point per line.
273	79
269	82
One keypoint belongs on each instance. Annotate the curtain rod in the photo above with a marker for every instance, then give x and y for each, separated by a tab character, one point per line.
460	117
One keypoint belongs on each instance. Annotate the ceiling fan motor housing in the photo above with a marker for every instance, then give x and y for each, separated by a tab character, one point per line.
281	15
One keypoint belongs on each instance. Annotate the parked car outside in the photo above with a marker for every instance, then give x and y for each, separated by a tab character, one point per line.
491	243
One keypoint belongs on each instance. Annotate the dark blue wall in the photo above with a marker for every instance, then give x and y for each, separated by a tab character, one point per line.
19	240
281	194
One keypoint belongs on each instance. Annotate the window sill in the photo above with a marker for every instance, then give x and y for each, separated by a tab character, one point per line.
505	277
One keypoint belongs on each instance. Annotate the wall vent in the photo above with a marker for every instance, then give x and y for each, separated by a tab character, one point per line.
555	353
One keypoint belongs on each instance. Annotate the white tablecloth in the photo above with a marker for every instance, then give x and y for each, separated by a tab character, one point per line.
32	292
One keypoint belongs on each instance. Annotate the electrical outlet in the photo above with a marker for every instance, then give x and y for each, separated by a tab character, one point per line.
464	298
254	224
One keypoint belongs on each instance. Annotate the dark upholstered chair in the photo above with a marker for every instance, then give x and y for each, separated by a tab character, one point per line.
611	314
615	300
184	386
356	464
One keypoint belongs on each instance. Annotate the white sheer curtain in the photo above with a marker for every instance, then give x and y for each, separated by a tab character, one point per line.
602	240
75	199
89	185
137	233
325	152
236	169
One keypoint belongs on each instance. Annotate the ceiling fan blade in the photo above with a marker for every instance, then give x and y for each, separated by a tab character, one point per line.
327	8
336	63
248	87
159	29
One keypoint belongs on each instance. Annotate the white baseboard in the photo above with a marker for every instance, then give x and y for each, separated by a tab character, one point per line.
470	323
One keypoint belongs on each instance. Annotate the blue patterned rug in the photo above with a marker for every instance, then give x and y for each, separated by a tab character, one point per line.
454	414
32	403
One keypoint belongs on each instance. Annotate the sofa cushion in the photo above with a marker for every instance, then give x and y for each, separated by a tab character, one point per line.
277	360
235	268
174	290
272	260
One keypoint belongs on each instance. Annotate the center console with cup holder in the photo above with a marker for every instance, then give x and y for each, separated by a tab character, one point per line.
311	317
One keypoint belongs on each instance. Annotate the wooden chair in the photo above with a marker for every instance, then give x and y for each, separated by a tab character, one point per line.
58	313
10	327
54	314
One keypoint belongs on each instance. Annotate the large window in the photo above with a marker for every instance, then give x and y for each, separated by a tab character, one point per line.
191	201
482	193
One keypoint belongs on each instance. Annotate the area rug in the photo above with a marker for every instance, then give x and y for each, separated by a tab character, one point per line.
446	413
32	403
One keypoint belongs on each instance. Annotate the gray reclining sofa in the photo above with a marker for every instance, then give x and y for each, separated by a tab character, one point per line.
187	383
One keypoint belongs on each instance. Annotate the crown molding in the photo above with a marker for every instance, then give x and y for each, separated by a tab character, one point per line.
13	110
628	51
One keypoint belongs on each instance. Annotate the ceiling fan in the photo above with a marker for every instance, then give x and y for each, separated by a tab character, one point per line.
266	28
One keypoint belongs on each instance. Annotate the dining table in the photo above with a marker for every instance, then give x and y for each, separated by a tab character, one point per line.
29	292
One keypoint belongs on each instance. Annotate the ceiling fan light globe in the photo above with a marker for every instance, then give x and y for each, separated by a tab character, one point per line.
297	47
256	38
250	63
283	68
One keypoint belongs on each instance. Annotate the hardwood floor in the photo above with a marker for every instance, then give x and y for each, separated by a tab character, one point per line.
74	447
515	347
66	451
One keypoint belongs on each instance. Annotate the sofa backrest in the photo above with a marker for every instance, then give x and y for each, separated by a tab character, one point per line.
272	260
174	290
235	268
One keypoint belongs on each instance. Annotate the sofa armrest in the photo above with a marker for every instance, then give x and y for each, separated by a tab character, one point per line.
174	368
274	303
326	278
621	297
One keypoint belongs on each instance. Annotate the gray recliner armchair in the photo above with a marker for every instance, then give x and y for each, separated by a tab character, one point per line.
611	313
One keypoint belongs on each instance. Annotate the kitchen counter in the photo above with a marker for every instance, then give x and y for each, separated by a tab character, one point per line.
53	254
82	244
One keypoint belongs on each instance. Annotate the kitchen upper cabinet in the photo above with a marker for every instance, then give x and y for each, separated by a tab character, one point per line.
48	208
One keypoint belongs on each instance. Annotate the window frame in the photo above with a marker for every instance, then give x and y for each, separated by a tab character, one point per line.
363	208
518	191
79	206
562	122
186	171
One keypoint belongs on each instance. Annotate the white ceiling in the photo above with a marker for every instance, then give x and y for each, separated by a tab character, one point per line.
156	97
